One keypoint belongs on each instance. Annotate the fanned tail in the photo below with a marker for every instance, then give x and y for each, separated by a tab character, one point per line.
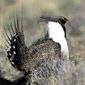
15	40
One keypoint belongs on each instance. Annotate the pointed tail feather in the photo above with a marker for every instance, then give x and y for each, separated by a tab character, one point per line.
15	40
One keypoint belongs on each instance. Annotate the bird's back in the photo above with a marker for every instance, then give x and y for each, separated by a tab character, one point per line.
40	51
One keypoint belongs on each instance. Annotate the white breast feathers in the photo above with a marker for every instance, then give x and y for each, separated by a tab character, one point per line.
56	32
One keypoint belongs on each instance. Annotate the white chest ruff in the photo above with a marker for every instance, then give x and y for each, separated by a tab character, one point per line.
56	32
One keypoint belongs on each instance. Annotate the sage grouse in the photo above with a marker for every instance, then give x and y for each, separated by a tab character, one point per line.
43	53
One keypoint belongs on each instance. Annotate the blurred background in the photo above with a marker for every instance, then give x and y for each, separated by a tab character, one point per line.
74	10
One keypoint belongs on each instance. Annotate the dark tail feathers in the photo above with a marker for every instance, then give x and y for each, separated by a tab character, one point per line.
15	40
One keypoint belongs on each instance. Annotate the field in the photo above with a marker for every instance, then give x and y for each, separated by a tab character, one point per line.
74	10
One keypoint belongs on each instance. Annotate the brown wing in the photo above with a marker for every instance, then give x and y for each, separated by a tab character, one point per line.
42	50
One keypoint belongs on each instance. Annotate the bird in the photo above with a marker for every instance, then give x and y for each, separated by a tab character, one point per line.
18	51
45	50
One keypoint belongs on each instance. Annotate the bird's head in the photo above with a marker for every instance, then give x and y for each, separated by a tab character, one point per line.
59	19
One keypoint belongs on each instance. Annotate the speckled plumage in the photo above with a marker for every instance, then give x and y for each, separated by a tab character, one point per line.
39	52
28	58
42	62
